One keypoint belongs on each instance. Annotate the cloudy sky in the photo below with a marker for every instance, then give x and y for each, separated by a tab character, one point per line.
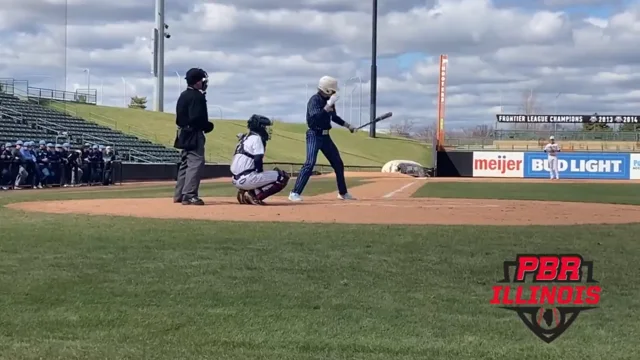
265	56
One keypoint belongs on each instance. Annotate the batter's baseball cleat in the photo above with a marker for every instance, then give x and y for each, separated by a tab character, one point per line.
295	197
346	196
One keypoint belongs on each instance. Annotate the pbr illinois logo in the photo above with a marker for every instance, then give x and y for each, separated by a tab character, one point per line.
548	292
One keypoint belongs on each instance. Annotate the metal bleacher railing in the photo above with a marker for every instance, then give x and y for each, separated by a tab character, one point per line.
42	97
16	115
21	89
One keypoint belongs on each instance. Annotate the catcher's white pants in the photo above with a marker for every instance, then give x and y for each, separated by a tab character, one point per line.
553	167
256	180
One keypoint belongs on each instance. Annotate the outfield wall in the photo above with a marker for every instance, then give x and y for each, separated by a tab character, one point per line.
530	165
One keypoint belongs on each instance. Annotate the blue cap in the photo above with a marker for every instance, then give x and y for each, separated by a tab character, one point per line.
95	146
87	144
49	145
100	147
19	142
27	143
42	142
58	146
66	145
8	145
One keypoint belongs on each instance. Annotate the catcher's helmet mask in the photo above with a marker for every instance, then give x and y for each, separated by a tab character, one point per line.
257	124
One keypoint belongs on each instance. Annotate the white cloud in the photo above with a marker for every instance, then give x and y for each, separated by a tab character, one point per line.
266	56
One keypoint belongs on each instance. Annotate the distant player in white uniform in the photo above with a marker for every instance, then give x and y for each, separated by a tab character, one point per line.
552	149
253	183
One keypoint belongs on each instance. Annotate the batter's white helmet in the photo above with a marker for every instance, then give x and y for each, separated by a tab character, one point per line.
328	85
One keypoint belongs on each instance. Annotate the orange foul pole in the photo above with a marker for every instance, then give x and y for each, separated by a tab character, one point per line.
442	83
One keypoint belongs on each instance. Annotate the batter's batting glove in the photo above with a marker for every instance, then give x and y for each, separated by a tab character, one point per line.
330	104
350	127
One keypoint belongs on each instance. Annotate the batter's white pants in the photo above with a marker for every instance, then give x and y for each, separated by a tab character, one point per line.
553	167
256	180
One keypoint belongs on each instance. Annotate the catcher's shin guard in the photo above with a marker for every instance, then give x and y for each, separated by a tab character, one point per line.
284	178
274	188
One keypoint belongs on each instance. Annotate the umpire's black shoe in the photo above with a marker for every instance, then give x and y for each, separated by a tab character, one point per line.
193	201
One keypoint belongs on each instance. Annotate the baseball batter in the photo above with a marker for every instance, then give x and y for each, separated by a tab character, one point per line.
321	111
552	149
253	183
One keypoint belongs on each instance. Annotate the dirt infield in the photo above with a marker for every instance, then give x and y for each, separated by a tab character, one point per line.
386	199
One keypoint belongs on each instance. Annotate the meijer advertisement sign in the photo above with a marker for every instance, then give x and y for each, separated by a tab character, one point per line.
498	164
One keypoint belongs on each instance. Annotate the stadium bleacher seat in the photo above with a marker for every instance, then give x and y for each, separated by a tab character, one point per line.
23	120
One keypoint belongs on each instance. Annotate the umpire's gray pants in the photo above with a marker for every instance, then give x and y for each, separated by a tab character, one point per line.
190	170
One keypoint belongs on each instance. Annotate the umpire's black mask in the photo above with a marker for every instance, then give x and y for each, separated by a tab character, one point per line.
195	75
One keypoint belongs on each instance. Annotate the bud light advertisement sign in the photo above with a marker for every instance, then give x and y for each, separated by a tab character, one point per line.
613	166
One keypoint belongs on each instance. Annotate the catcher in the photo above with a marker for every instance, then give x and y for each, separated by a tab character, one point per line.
253	183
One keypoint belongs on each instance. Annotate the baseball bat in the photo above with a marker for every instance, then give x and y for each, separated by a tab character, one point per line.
379	118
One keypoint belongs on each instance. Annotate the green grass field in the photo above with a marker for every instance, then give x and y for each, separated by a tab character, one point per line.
575	192
287	143
81	287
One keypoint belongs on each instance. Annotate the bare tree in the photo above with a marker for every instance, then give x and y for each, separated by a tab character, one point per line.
482	131
404	129
529	106
425	132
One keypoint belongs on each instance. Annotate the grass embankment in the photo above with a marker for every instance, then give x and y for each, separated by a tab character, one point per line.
287	143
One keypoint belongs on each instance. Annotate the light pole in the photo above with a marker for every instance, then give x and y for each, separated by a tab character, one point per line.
88	71
179	83
555	104
66	39
359	79
124	92
374	67
555	111
219	109
159	34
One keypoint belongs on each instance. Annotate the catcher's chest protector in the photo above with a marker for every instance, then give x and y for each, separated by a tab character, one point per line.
240	147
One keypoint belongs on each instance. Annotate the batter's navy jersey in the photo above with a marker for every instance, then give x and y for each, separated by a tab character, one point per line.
317	117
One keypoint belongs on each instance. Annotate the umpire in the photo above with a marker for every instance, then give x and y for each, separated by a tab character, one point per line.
193	122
